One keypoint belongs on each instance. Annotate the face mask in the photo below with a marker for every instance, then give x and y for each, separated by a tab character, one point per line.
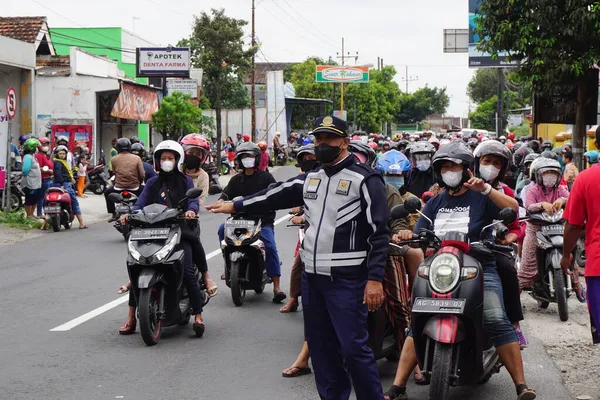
488	172
452	179
395	181
192	162
248	162
308	165
326	153
167	166
549	180
423	165
45	149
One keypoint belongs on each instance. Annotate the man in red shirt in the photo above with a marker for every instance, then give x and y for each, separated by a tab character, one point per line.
46	165
583	207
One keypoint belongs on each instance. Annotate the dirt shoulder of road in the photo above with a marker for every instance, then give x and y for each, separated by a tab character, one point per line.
569	344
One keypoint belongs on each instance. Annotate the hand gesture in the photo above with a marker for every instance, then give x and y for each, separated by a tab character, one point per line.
221	207
558	204
373	295
548	208
402	235
474	183
123	219
189	214
297	220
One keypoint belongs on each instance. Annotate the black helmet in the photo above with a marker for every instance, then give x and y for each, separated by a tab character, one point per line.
549	154
308	149
520	155
358	146
534	145
123	144
134	139
516	147
494	148
547	145
529	159
246	148
138	150
456	152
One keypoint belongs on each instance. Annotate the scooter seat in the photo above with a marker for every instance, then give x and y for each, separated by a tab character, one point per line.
56	189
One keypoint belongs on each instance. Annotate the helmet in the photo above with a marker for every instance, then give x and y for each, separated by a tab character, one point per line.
529	159
549	154
511	136
195	141
494	148
422	147
262	145
246	137
123	144
386	143
592	156
534	145
23	139
547	145
59	138
520	154
373	145
544	165
114	142
44	141
247	148
61	148
31	145
168	145
393	163
502	139
433	140
134	139
138	150
456	152
357	146
516	146
308	149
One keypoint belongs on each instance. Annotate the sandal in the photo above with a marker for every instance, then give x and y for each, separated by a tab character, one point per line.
420	379
396	393
124	288
525	393
278	297
581	295
300	371
83	227
199	328
128	328
291	306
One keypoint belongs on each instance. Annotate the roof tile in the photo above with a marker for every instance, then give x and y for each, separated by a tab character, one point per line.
25	29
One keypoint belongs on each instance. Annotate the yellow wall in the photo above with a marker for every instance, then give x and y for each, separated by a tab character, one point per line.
549	131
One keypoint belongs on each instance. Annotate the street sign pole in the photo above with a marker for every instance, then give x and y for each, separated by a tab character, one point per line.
11	111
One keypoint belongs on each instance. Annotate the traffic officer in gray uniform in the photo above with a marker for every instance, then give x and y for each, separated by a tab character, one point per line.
344	254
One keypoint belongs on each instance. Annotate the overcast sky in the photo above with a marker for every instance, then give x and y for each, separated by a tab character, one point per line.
403	32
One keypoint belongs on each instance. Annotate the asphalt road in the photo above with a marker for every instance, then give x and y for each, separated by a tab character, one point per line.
49	281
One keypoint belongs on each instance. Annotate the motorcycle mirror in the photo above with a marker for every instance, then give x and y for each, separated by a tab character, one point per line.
412	204
399	212
193	192
214	189
507	216
115	197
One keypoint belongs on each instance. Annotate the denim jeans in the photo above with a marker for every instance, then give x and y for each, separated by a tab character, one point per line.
46	183
267	235
69	189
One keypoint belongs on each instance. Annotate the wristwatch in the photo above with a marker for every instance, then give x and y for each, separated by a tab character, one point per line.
488	189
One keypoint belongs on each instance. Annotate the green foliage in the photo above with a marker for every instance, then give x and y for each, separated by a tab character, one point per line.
19	220
484	85
522	130
484	116
414	107
177	117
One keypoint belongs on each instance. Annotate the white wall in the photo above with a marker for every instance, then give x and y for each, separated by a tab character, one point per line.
130	39
16	53
240	121
11	77
276	118
84	63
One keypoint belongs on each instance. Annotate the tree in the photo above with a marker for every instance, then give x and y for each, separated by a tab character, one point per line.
417	106
177	117
484	117
556	41
218	48
484	85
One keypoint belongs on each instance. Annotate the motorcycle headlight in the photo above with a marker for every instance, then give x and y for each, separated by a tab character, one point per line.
133	251
444	273
167	248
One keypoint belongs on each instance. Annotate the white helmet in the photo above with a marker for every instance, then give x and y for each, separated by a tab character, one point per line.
169	145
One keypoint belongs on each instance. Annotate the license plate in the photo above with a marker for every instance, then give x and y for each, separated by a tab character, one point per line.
51	209
150	234
239	223
553	229
122	209
439	306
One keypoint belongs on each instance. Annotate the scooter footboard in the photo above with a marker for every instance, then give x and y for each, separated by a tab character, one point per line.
148	277
445	329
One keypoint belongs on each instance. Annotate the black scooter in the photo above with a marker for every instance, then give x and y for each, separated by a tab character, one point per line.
155	268
123	201
452	346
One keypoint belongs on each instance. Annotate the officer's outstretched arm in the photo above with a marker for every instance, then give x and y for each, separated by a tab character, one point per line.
281	196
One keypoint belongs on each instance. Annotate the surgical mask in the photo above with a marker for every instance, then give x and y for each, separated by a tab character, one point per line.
549	180
452	179
248	162
326	153
396	181
488	172
423	165
45	149
308	165
167	166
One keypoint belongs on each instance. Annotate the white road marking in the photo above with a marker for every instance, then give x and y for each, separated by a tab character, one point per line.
67	326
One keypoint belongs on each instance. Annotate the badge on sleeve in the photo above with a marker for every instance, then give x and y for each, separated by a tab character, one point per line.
343	187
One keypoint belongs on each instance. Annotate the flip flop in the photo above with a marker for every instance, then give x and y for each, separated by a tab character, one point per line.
127	328
123	289
396	393
581	297
289	308
83	227
300	372
279	297
199	328
213	288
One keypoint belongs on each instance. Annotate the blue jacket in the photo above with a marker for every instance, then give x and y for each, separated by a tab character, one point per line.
346	232
145	197
149	172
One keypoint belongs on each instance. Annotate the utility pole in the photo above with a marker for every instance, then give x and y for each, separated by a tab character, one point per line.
343	56
253	82
500	105
407	78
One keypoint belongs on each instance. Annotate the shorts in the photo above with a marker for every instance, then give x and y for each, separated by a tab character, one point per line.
31	196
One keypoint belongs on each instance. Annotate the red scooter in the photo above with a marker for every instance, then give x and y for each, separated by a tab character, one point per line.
57	207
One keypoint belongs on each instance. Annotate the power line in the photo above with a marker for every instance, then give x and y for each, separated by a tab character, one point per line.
325	36
63	36
85	46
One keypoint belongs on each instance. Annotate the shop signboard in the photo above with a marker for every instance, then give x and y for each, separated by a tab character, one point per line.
163	61
342	74
185	86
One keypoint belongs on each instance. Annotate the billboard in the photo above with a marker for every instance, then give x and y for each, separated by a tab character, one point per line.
478	59
185	86
342	74
163	61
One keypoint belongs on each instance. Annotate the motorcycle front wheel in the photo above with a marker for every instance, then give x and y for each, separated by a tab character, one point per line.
561	295
98	188
150	322
441	369
224	169
238	293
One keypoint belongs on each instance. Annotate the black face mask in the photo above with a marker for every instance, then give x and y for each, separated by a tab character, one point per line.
326	153
308	165
192	162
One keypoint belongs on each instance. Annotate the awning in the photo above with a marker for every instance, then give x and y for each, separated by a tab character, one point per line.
135	102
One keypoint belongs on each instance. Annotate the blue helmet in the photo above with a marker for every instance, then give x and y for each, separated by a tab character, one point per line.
393	162
592	156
